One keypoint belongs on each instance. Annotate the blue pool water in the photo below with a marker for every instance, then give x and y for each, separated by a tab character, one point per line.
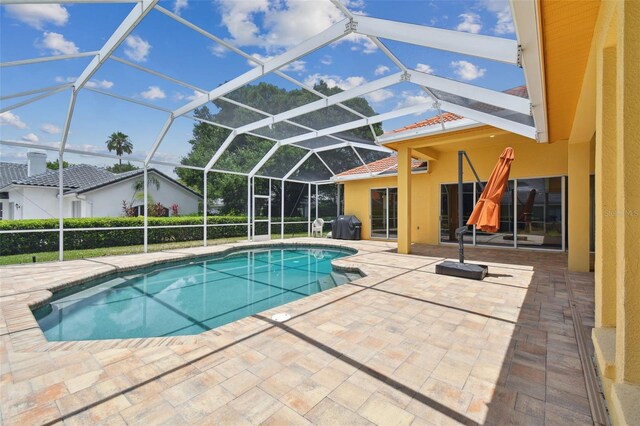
192	296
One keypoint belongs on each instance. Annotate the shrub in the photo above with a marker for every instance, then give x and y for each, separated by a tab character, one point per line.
33	242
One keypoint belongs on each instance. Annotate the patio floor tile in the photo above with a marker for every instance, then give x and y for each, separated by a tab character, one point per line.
399	346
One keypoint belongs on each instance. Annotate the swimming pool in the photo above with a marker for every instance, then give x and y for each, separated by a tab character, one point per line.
191	296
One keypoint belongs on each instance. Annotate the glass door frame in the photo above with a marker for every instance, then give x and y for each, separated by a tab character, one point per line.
252	209
476	194
386	209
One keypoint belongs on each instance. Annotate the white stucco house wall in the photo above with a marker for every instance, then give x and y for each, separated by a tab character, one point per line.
30	191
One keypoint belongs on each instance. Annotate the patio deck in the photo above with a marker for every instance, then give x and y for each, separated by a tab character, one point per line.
399	346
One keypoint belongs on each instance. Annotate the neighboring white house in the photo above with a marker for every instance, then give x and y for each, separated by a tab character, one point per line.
30	191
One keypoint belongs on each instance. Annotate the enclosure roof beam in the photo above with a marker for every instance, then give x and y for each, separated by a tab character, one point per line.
366	166
324	103
476	93
323	162
415	109
491	120
159	74
478	45
370	147
34	99
47	59
245	55
127	99
330	147
331	34
526	18
221	150
34	91
297	166
134	17
65	1
163	132
264	159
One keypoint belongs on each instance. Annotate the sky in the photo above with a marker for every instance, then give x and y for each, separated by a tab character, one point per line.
261	28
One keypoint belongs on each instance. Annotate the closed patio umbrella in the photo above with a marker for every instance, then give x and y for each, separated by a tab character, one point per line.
486	213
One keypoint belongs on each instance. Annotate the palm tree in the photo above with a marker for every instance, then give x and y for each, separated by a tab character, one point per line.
120	143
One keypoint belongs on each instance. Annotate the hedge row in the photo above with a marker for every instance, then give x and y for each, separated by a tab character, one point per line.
34	242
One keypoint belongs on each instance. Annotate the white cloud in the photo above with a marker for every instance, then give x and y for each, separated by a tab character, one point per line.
274	25
379	96
504	25
410	98
177	96
94	84
136	48
100	84
471	23
60	79
218	50
424	68
51	129
335	81
381	70
10	119
502	10
37	15
30	137
361	42
326	60
57	44
179	5
467	71
295	66
153	93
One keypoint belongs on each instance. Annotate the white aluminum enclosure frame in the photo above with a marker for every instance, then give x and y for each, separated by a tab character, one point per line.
525	52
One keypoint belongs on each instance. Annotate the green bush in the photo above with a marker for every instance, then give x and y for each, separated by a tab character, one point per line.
34	242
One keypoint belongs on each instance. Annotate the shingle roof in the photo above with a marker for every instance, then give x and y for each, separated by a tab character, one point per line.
385	165
10	172
76	178
520	91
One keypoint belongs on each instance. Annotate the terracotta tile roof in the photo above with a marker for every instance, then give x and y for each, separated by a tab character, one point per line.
520	91
447	116
387	165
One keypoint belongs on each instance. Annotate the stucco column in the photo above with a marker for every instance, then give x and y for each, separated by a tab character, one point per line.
628	195
605	182
578	209
404	200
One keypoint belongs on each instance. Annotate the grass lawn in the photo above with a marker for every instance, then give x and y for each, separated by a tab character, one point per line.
51	256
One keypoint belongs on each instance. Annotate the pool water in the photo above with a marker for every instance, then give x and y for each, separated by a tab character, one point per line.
190	297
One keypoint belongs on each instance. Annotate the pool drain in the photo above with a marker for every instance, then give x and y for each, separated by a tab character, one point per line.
281	317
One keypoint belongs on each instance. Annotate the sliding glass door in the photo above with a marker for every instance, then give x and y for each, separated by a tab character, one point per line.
384	213
532	214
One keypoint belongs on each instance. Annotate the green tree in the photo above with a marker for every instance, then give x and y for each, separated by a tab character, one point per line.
247	150
121	168
120	143
54	165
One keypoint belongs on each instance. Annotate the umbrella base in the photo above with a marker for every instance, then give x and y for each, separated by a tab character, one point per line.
462	270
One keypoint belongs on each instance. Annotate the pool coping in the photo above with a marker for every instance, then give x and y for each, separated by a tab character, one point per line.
26	334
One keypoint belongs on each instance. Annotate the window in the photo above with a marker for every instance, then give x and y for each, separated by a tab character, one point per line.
384	213
531	214
1	211
76	208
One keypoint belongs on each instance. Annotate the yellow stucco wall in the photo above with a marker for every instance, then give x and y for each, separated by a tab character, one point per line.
531	160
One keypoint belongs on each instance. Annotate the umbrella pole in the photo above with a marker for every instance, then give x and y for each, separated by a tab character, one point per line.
460	231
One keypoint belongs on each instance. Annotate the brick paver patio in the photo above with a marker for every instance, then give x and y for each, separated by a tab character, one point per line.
399	346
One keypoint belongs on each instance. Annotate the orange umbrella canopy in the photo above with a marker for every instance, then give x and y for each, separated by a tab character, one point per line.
486	213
